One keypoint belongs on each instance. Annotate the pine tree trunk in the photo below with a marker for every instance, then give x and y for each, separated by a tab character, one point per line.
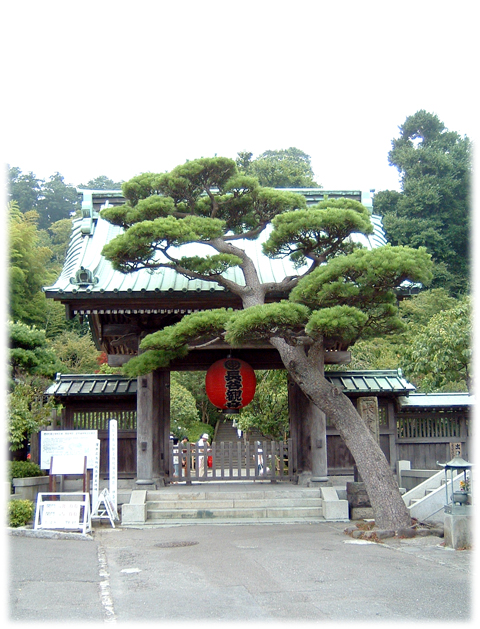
389	509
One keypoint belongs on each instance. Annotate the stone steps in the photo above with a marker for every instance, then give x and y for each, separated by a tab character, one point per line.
228	505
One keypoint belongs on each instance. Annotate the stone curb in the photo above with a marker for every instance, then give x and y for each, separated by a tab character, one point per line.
47	534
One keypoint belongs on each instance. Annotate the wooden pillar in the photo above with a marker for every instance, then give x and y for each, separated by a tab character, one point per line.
153	427
161	432
308	429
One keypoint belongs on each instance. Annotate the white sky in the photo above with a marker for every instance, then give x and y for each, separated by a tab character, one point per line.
119	88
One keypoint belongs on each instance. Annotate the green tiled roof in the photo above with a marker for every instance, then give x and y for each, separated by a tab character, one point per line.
416	401
350	382
90	233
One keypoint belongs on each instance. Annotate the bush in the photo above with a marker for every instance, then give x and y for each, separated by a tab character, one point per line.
20	512
23	469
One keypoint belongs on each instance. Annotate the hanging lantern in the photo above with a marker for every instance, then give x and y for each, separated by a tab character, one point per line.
230	384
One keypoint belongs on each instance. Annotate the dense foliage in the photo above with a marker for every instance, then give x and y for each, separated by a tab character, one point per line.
439	356
268	412
433	209
53	199
285	168
23	469
20	512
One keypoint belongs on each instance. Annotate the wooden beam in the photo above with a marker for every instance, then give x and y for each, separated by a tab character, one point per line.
258	358
119	329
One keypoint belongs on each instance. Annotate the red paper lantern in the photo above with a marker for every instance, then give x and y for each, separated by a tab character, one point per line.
230	384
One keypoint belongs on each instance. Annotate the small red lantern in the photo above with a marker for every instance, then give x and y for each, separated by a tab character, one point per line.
230	384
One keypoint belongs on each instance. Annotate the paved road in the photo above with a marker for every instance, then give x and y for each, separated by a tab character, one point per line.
256	572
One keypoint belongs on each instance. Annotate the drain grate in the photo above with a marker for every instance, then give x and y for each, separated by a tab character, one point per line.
174	544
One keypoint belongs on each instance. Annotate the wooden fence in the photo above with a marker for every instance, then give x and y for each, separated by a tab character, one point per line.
267	460
423	438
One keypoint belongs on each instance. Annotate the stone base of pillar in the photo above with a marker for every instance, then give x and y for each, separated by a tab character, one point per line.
321	479
146	483
306	479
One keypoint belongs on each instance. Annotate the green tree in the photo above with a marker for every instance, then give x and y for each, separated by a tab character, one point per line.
268	411
27	413
29	352
101	183
439	357
194	381
433	209
59	238
58	201
25	189
76	353
185	421
388	352
31	365
285	168
341	293
27	267
53	199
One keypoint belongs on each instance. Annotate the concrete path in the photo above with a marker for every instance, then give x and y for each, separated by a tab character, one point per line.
241	572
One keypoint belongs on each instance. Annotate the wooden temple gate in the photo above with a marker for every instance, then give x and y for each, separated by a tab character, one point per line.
413	433
123	309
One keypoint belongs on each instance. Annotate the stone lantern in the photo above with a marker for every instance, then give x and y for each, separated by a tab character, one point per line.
458	510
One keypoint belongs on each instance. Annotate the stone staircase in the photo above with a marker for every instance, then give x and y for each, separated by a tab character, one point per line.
426	500
224	503
228	504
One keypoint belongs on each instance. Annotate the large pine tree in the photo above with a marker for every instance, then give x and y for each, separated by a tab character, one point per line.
341	292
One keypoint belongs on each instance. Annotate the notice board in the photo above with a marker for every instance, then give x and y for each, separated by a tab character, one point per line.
67	442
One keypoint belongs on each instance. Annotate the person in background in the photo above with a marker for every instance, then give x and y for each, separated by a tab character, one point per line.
176	458
182	449
201	446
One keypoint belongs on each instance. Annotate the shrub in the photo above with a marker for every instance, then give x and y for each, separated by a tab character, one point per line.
23	469
20	512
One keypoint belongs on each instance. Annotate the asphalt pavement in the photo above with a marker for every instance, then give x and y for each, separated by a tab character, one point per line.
236	572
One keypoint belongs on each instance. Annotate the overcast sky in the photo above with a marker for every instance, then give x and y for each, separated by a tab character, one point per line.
120	88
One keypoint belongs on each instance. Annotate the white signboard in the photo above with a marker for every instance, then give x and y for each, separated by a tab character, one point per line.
67	442
66	512
67	464
64	515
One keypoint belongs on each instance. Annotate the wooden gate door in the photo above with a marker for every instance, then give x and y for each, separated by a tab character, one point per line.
265	460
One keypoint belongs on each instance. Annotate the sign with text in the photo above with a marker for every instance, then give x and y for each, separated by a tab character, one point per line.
65	515
67	442
70	511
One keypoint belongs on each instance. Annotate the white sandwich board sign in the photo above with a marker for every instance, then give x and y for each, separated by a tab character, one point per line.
68	510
